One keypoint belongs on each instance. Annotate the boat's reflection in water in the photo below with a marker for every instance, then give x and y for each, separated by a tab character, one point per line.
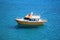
27	26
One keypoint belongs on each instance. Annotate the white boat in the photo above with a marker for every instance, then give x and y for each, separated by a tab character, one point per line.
30	19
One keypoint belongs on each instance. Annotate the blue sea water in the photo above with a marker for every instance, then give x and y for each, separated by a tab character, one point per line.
48	9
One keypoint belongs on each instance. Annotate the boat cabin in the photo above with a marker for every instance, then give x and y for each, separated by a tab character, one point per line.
32	17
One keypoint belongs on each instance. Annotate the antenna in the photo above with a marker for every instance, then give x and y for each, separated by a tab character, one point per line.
31	12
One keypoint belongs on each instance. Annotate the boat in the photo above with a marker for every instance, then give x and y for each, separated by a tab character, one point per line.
30	19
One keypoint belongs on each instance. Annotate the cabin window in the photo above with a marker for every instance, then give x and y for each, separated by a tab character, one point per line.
33	19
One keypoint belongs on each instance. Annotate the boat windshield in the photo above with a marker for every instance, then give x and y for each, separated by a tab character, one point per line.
26	18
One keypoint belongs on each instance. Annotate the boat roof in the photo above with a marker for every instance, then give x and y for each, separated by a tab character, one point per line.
35	16
32	16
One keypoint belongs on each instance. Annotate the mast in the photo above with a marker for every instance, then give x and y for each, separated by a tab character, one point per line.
31	13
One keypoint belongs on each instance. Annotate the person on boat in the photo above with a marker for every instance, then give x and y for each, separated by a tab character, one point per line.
28	16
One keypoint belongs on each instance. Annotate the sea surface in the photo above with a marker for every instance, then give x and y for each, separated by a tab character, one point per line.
12	9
